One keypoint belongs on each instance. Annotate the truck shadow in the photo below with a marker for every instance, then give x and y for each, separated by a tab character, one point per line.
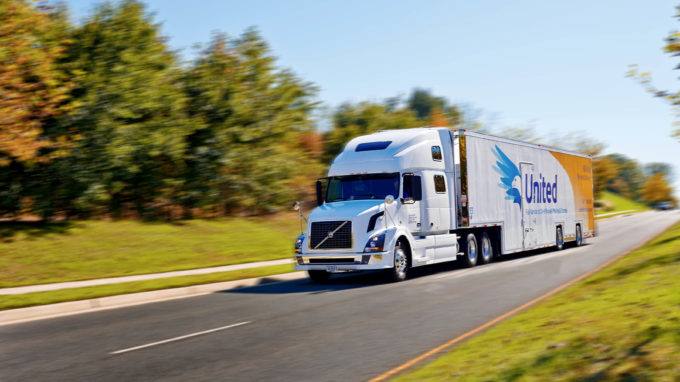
367	279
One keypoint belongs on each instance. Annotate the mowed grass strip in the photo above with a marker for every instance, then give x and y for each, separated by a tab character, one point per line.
621	324
64	295
619	203
39	253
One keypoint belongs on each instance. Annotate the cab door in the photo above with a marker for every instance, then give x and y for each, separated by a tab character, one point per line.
411	199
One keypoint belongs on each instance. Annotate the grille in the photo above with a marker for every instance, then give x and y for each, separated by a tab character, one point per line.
342	238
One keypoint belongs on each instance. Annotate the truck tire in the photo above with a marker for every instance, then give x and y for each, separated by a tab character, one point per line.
399	271
486	249
579	235
470	253
559	239
319	276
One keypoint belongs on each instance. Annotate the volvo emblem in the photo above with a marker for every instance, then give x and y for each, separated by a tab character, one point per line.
330	235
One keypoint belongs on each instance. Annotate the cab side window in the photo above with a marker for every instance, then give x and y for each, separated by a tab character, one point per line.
412	188
439	184
436	153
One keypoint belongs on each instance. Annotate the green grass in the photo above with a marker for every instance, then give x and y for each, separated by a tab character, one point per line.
38	253
616	203
621	324
63	295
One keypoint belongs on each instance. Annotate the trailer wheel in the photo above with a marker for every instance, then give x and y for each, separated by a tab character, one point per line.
486	249
579	236
401	264
470	257
319	276
559	239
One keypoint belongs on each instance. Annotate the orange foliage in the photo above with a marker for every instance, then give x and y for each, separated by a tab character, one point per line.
31	87
312	143
437	119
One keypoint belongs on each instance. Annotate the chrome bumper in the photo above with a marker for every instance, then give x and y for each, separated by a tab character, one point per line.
343	262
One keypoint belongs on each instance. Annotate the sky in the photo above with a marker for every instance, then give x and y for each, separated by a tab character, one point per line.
558	67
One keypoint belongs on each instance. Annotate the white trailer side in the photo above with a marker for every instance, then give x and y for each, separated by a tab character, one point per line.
530	191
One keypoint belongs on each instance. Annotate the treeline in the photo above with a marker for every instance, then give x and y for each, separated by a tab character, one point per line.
103	119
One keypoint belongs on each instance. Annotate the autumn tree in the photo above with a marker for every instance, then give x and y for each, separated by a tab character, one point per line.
656	189
32	87
604	170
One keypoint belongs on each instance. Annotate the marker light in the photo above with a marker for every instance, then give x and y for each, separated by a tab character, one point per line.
298	243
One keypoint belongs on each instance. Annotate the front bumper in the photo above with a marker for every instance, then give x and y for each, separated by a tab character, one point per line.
343	262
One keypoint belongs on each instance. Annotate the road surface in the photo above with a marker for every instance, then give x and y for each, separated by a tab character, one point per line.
351	329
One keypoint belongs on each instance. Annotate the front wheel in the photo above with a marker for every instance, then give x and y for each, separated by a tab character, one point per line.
400	270
559	239
319	276
470	257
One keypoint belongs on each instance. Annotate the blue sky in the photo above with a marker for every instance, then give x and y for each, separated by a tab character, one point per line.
557	66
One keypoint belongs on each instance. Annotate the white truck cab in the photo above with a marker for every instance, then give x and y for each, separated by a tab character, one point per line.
386	201
399	199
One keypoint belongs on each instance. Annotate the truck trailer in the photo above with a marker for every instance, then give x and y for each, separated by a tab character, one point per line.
398	199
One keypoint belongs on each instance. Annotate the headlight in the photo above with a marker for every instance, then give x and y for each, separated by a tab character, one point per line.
298	243
375	243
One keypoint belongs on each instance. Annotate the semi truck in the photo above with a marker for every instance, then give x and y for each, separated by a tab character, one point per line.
398	199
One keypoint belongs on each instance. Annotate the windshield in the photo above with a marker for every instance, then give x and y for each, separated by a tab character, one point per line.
362	187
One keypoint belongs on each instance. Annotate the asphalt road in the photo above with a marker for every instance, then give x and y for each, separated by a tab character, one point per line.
351	329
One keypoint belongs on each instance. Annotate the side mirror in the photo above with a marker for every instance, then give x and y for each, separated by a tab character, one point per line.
296	206
320	188
389	199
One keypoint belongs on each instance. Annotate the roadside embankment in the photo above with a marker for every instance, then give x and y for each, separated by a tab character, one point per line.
619	324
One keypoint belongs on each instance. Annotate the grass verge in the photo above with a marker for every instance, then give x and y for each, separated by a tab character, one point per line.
620	324
63	295
39	253
618	203
615	214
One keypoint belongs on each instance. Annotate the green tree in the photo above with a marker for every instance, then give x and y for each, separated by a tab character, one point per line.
425	105
629	177
129	114
350	121
245	154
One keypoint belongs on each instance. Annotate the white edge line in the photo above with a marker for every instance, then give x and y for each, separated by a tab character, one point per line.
179	338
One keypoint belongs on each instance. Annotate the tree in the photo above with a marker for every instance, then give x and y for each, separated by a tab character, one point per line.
664	169
33	88
604	170
425	105
629	177
246	153
350	121
130	113
672	47
656	189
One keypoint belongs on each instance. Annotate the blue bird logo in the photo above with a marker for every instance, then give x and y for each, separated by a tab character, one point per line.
508	172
